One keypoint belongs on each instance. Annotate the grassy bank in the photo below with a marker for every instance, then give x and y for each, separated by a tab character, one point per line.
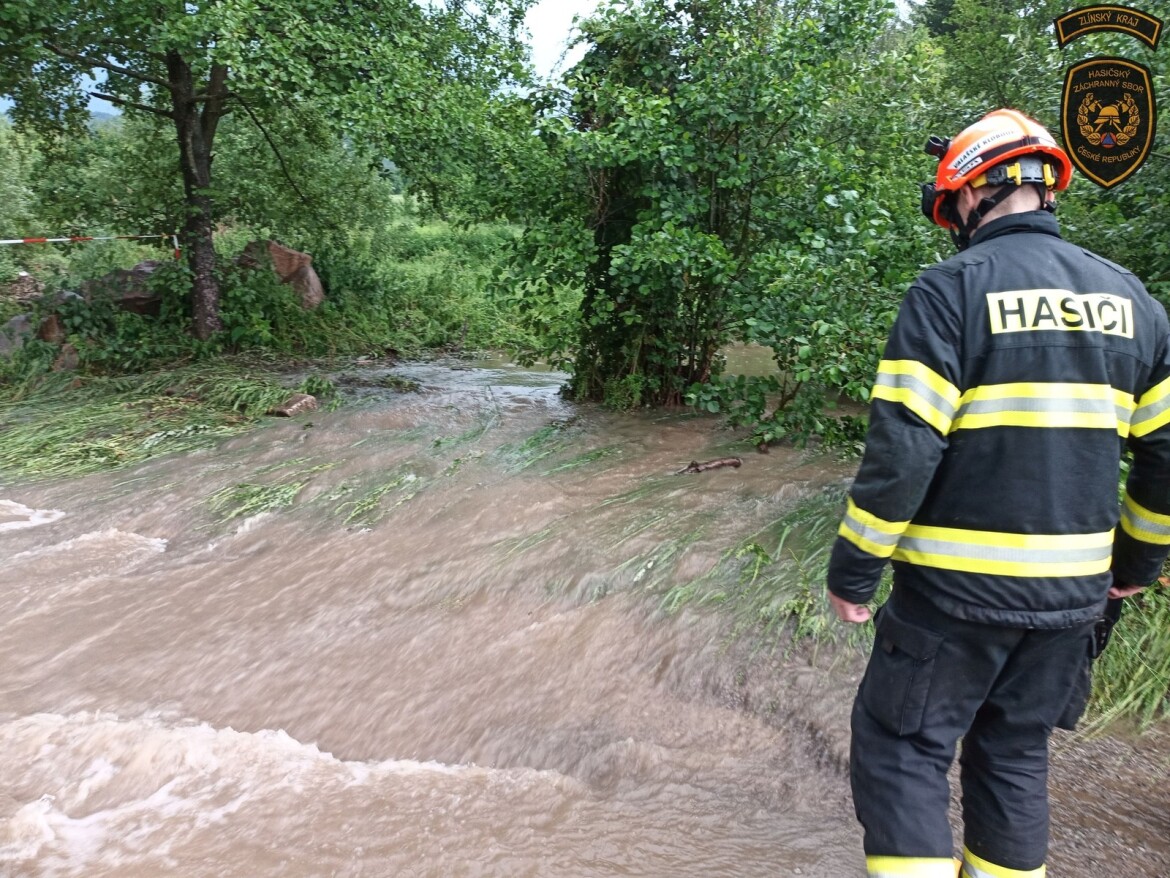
68	425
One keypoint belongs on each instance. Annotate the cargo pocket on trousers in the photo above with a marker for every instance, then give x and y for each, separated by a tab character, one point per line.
1078	698
897	680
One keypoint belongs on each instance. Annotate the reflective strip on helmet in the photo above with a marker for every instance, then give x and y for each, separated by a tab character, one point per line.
1006	554
977	867
919	388
1143	524
1035	404
987	156
1153	410
910	867
874	536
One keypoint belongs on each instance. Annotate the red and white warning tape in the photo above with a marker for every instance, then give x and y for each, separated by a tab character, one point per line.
78	238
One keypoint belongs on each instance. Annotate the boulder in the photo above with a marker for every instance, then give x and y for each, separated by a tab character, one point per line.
15	333
67	359
51	330
128	288
24	289
294	405
292	267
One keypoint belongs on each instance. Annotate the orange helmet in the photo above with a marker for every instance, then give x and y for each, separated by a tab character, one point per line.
981	155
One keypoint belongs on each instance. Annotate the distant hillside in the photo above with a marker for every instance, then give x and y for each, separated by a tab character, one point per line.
96	117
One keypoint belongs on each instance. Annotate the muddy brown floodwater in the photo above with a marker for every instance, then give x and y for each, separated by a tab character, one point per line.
447	657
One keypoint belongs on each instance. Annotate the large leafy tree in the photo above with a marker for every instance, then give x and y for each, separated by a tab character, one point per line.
684	138
393	72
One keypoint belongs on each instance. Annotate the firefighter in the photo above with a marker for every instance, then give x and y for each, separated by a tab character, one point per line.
1014	377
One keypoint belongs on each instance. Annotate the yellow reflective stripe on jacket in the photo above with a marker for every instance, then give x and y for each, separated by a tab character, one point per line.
910	867
977	867
920	389
1005	554
1142	524
1037	404
1153	410
873	535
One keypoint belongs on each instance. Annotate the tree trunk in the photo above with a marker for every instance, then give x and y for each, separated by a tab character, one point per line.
196	131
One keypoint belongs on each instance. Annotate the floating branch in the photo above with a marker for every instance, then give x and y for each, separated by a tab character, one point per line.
695	467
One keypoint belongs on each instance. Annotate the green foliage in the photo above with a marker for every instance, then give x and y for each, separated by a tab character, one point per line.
410	287
398	74
1003	54
675	217
1131	679
109	339
17	156
119	177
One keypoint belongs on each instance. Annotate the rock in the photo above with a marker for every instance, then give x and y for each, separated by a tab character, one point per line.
129	289
24	289
308	286
294	405
292	267
15	333
51	330
67	360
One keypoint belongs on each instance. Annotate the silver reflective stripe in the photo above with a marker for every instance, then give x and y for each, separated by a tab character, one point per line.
1142	524
1151	411
919	388
872	534
1039	404
1004	553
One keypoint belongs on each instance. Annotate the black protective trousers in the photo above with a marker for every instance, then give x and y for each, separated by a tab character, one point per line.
932	680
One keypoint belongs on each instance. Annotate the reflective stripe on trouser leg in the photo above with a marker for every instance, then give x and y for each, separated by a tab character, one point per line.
910	867
977	867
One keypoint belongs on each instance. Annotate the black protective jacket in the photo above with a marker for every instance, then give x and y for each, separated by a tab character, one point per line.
1014	376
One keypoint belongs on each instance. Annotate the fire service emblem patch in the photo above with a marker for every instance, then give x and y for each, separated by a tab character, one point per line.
1108	117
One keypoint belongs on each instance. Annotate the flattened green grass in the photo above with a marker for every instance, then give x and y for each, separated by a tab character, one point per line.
72	425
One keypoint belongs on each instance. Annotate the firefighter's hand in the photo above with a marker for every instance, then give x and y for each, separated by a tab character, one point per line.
1123	591
847	612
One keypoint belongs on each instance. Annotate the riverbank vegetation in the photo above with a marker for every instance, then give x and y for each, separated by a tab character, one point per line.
709	173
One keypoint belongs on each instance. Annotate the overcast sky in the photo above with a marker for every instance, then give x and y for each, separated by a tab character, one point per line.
550	23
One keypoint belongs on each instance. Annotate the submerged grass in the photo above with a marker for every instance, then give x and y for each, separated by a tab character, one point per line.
773	581
370	506
236	501
467	436
584	459
774	584
73	425
250	498
545	442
